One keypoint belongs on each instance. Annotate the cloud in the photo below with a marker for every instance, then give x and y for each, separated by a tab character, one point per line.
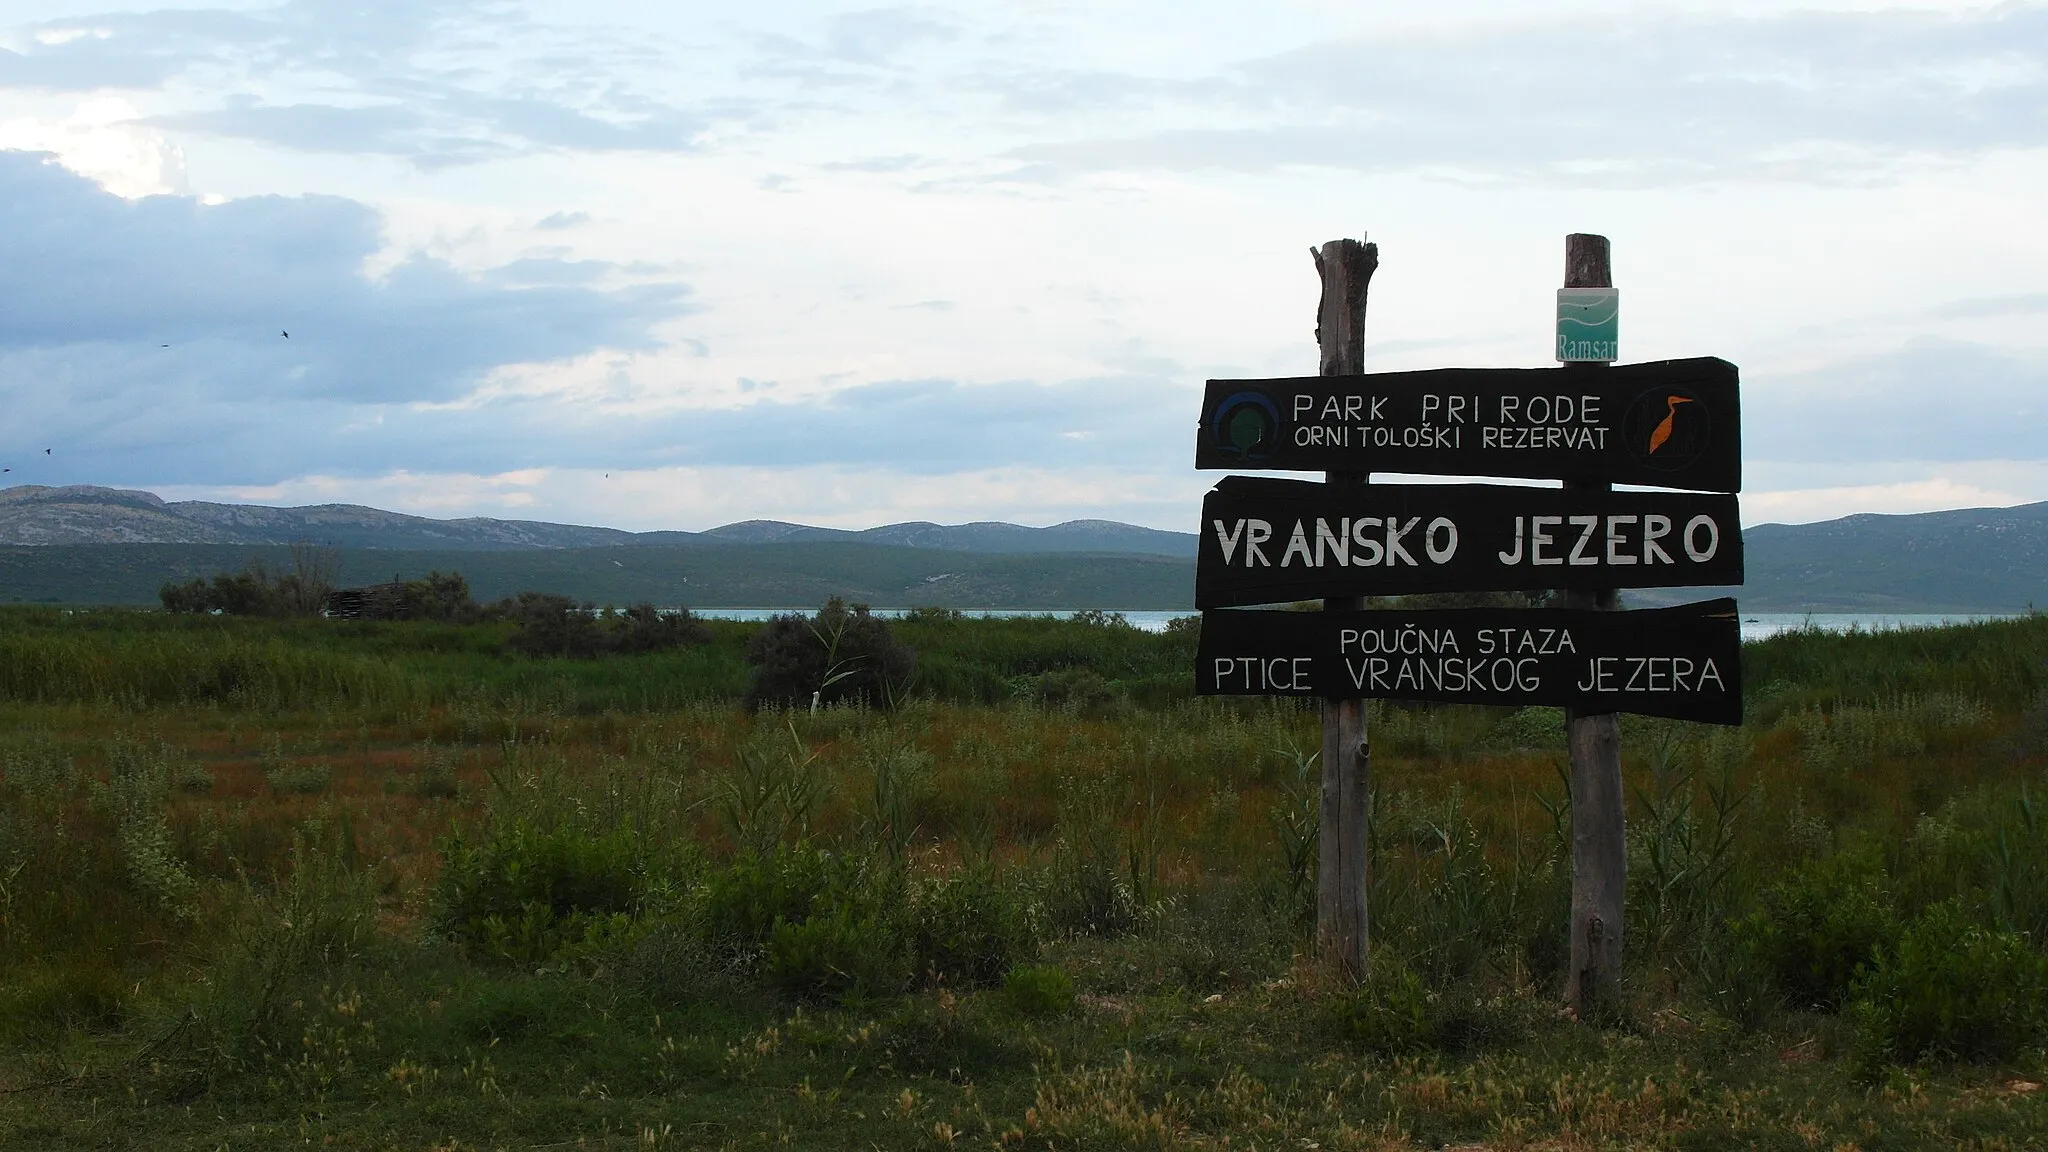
409	370
2023	304
1616	99
1930	399
92	288
1628	99
937	426
854	47
1806	505
434	82
881	34
101	140
914	428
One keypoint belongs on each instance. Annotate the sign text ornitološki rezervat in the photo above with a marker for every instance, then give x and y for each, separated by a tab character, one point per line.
1671	423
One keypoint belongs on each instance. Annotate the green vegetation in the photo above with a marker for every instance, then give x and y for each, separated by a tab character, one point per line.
705	574
389	885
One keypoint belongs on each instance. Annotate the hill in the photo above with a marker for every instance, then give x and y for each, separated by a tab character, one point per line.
103	545
34	515
1966	560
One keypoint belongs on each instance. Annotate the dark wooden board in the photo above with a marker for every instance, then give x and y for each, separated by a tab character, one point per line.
1671	423
1683	662
1267	540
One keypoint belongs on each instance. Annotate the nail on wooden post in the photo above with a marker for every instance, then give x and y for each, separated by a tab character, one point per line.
1342	930
1599	829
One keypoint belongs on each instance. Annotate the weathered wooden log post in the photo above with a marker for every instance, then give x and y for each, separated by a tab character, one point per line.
1342	931
1599	830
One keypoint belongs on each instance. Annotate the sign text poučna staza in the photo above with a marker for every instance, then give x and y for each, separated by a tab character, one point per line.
1682	662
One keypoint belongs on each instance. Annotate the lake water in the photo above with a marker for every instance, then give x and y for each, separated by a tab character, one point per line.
1758	625
1755	625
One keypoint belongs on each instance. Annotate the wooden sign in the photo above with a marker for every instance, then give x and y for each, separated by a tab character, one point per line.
1266	540
1669	423
1682	662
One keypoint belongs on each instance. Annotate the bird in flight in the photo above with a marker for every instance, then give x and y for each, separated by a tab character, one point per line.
283	333
46	451
1662	431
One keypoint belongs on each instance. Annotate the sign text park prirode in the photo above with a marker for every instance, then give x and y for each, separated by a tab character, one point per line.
1668	423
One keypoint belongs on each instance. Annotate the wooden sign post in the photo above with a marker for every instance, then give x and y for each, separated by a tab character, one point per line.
1671	424
1599	831
1342	929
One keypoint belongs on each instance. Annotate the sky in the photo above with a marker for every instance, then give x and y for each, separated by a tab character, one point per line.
672	265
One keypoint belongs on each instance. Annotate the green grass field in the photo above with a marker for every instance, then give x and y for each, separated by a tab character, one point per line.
383	886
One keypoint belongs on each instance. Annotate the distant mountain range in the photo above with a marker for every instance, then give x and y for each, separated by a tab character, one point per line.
35	515
103	545
1967	560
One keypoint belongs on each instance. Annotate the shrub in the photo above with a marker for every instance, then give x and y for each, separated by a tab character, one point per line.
193	596
526	892
285	776
441	596
815	923
1079	690
257	591
671	963
1389	1012
46	1001
493	1012
770	793
968	928
1038	990
844	654
1819	928
1950	990
551	625
853	947
1297	821
643	628
1536	728
554	625
139	783
1095	862
299	779
266	961
91	879
746	899
2016	860
434	778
